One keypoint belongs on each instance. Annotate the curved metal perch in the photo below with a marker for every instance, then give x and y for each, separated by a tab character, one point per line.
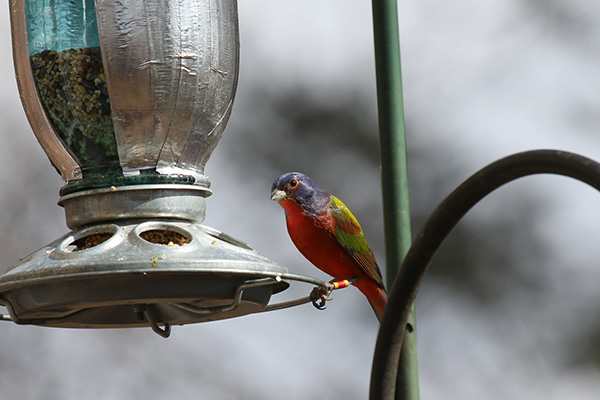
441	222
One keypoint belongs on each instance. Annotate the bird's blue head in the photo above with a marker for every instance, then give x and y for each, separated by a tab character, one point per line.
300	189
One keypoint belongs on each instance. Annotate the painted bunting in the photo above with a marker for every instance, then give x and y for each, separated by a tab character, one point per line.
329	236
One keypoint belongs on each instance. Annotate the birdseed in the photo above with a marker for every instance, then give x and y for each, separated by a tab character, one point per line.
72	89
90	241
165	237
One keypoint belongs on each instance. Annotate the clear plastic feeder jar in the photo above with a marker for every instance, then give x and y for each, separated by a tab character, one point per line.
126	92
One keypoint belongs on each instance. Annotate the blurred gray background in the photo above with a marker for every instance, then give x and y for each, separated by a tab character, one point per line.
510	307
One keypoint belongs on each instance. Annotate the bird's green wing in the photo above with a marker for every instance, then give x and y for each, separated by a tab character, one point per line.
350	235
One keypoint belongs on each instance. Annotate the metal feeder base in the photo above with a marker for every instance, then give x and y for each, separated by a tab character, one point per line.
130	274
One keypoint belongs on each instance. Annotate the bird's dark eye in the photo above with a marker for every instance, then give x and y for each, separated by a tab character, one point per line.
293	184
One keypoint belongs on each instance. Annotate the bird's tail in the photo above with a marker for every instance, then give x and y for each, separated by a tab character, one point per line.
375	295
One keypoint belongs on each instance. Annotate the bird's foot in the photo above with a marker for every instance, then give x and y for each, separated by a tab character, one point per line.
320	295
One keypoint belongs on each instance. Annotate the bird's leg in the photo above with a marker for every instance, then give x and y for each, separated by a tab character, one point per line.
320	295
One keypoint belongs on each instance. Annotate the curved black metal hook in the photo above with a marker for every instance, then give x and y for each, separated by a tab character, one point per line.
440	223
151	318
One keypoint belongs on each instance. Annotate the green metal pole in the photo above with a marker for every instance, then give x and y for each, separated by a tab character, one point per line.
394	173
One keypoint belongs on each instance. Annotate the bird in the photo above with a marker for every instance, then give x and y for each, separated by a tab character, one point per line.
329	236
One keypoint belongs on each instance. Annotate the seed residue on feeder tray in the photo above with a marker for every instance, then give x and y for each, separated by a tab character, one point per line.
165	237
72	89
155	260
90	241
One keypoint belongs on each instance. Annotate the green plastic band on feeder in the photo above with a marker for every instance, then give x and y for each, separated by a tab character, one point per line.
97	180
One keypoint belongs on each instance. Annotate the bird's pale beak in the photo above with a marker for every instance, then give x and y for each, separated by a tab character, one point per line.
278	195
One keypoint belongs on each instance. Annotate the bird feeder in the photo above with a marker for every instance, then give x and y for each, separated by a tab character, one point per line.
128	99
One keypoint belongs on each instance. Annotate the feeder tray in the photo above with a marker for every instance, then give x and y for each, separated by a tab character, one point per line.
93	279
130	275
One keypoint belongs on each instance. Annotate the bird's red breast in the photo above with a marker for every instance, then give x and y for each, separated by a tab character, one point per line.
314	237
